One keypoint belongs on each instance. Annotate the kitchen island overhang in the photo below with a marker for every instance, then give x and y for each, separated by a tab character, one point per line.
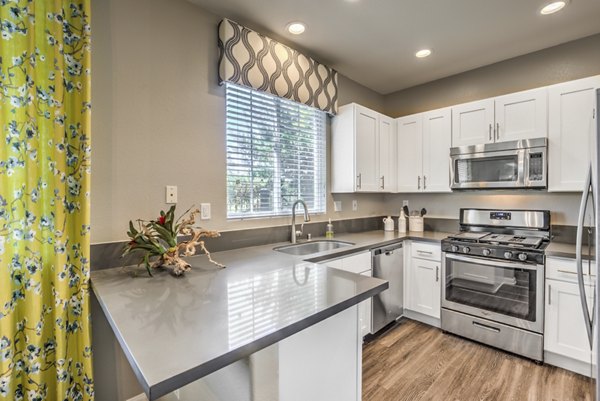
175	331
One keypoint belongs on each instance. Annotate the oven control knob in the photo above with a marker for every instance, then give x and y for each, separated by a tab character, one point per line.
466	249
508	255
522	257
454	248
486	252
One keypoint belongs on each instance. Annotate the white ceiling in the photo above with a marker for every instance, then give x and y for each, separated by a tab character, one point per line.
373	41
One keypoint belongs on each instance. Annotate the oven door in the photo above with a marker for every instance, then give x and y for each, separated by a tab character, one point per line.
503	169
503	291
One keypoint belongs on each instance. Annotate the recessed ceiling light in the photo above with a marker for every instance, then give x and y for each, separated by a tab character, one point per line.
553	7
296	28
423	53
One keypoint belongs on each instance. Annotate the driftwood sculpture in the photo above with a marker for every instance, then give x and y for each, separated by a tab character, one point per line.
158	238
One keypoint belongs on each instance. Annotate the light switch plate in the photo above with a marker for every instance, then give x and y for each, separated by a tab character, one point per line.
404	203
354	205
171	194
337	206
204	211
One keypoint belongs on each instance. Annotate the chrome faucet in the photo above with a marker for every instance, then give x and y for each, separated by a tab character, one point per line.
306	219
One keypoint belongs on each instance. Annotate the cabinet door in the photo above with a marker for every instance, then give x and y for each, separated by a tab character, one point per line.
387	154
437	137
425	287
522	115
364	311
367	150
409	160
564	331
571	126
473	123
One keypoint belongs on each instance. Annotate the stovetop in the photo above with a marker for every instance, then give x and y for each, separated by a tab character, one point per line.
490	238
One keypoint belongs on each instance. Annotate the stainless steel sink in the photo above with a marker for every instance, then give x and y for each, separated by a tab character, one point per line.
308	248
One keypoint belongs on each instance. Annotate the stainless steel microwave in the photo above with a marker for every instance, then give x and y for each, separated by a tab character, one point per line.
511	164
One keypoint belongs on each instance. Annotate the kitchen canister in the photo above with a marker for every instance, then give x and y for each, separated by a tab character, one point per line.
415	223
388	224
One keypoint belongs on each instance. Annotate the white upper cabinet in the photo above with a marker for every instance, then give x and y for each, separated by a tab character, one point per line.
409	162
522	115
363	153
437	135
473	123
571	125
367	149
424	151
387	154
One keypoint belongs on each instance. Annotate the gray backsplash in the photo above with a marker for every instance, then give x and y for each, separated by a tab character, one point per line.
107	255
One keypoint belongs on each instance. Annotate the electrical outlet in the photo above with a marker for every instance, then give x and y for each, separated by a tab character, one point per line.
171	194
204	211
354	205
337	206
404	203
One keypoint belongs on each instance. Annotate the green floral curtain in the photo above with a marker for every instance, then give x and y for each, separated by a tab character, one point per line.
45	348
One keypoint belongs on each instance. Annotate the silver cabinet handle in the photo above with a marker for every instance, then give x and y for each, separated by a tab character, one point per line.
437	273
497	130
359	179
424	182
382	182
425	252
419	182
549	294
490	132
488	328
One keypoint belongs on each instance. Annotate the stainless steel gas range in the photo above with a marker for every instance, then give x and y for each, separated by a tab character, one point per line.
493	279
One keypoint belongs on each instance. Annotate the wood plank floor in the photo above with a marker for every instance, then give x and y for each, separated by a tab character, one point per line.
416	362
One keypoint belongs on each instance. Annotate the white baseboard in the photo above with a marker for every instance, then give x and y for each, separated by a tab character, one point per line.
419	317
567	363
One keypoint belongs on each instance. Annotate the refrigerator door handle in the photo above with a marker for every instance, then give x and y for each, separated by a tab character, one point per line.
580	221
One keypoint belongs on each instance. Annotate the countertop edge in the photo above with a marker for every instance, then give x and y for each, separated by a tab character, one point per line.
126	351
164	387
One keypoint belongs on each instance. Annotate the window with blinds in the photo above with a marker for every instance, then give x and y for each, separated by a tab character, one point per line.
275	154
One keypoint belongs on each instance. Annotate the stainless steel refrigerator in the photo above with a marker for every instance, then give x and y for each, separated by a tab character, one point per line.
588	222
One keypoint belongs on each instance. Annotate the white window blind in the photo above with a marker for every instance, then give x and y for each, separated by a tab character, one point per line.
275	154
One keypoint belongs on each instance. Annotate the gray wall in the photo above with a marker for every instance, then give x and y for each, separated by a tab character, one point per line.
572	60
561	63
159	117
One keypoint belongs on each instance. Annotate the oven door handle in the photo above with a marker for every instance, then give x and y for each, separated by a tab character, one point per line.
492	262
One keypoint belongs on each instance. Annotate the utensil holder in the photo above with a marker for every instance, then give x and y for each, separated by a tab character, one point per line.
415	223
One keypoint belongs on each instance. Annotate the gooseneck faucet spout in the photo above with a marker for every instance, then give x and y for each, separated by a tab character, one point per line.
295	233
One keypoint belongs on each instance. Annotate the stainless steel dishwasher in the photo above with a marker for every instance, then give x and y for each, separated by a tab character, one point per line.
388	264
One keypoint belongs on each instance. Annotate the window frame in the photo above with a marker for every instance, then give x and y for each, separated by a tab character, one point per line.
283	107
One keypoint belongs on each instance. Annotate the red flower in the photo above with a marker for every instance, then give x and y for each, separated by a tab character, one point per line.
161	220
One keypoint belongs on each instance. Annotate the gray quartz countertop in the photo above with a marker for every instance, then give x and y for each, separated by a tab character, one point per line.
175	330
564	250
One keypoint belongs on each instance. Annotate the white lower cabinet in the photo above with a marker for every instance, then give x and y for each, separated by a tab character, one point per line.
360	264
565	332
423	281
365	311
565	338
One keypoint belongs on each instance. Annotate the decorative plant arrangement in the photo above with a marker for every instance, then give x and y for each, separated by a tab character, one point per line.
158	238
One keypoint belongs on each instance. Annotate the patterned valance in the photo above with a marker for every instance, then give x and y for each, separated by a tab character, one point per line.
254	60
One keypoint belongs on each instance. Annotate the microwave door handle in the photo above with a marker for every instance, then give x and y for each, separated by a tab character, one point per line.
578	256
523	166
